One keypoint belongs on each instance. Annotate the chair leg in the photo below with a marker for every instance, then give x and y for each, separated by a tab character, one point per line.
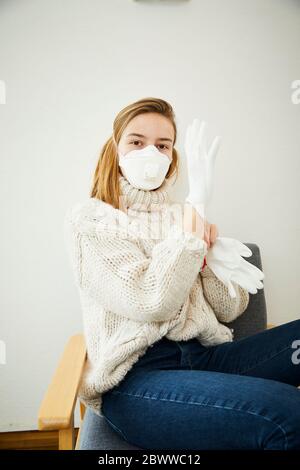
82	412
78	438
66	437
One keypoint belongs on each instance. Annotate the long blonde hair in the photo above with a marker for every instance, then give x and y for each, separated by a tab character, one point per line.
105	184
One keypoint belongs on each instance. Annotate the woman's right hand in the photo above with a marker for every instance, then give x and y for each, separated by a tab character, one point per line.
193	222
200	164
199	226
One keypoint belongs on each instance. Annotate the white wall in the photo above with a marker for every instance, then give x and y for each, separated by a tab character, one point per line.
69	66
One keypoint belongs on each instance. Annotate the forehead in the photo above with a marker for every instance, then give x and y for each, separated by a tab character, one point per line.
151	125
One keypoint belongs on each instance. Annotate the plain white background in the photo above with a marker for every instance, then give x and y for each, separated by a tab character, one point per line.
69	67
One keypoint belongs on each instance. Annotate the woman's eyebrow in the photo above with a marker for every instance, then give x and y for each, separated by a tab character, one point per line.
140	135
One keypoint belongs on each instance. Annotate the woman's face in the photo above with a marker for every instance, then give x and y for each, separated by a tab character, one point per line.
146	129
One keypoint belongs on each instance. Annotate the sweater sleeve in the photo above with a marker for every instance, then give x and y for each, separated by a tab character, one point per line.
225	307
116	273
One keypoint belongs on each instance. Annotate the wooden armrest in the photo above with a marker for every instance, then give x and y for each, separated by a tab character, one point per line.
270	325
57	408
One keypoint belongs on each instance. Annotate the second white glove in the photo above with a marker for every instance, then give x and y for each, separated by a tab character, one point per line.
225	259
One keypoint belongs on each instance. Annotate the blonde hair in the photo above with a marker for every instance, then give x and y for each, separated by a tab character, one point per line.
105	184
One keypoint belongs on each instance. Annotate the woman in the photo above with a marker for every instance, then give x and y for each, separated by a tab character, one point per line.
162	364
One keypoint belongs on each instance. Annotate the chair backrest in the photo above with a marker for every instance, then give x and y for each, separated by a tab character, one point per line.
254	319
97	434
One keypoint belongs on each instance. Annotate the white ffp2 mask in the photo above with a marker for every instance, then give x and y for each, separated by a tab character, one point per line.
144	168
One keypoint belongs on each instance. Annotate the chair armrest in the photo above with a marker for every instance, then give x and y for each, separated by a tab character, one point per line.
270	325
57	408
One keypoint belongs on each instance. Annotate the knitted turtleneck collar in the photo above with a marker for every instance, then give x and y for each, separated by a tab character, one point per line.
143	200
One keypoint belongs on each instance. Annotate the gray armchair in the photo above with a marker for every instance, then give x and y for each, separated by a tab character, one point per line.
57	409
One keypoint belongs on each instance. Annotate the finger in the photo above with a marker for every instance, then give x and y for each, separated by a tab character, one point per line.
207	233
213	233
214	148
194	128
188	139
201	139
206	239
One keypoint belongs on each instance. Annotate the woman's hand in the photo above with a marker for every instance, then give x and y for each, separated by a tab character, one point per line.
198	225
211	233
200	163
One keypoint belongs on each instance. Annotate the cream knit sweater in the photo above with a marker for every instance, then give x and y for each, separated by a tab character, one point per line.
139	278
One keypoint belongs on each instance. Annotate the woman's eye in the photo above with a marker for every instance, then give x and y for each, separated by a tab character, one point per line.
136	142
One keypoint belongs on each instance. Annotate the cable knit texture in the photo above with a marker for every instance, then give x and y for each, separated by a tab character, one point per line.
139	278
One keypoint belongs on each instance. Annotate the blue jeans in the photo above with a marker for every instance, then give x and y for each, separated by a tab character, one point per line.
236	395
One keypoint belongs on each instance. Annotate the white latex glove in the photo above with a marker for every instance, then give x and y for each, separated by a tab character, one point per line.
225	259
200	165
